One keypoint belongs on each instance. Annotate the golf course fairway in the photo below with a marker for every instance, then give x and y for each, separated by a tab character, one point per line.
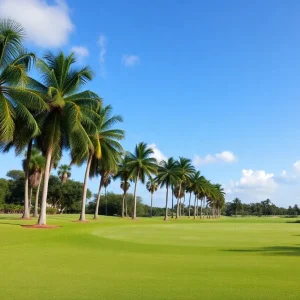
114	258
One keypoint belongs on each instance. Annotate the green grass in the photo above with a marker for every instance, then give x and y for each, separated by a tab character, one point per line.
243	258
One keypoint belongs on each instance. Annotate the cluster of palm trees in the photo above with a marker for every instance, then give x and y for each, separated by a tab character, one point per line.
179	176
55	113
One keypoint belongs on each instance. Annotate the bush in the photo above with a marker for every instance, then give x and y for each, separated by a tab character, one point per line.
11	209
51	210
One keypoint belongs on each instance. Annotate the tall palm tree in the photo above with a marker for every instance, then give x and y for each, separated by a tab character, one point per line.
237	203
18	102
152	187
167	174
110	151
142	164
186	170
36	167
70	119
125	185
125	174
106	183
64	173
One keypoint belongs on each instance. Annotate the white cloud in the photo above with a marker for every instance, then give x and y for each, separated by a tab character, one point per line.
283	173
80	52
102	41
225	156
130	60
47	25
297	166
254	185
158	155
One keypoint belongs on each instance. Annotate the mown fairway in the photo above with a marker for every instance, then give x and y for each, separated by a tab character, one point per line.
246	258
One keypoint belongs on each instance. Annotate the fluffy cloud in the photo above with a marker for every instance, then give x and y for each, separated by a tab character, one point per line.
130	60
157	153
80	52
254	185
225	156
47	25
297	166
102	41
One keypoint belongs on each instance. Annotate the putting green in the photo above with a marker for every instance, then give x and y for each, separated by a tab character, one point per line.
243	258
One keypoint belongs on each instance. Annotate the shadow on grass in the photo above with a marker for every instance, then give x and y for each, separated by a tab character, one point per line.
293	222
274	251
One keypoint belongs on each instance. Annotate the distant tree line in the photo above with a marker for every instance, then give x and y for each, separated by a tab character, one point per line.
263	208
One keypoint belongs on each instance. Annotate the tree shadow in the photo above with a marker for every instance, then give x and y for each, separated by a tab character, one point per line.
293	222
6	223
273	251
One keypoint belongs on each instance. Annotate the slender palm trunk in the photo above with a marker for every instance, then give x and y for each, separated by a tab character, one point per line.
190	204
36	205
201	200
84	189
123	205
26	214
105	201
126	210
96	214
195	207
151	205
172	202
183	203
30	199
166	211
42	218
134	196
178	205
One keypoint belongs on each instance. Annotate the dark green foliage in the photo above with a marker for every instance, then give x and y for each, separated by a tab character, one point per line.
15	174
4	187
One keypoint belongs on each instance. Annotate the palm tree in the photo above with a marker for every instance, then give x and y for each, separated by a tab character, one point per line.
125	174
186	170
167	174
70	119
106	183
141	164
125	185
18	102
237	203
64	173
36	167
110	151
152	187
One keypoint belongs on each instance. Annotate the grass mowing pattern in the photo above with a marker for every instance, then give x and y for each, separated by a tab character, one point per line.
243	258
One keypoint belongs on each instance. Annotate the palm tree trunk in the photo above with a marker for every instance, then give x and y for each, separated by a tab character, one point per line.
178	206
26	214
105	201
195	207
30	198
190	204
134	196
151	205
126	210
84	189
183	203
42	218
36	205
166	211
96	214
172	202
201	200
123	205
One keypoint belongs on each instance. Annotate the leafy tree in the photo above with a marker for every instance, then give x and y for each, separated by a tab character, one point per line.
4	188
141	165
237	203
15	174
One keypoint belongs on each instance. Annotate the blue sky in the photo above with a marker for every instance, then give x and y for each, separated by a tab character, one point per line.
213	81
